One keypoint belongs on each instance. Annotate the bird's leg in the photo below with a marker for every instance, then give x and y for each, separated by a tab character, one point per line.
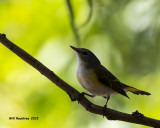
82	94
105	106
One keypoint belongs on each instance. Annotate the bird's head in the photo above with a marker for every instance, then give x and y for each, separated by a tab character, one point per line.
85	57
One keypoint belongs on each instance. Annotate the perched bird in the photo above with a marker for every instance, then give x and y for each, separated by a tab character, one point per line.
97	80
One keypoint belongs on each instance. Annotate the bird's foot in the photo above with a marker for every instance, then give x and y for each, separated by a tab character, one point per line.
71	97
105	106
82	95
104	110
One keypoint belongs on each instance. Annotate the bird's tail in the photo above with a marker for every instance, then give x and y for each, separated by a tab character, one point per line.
135	91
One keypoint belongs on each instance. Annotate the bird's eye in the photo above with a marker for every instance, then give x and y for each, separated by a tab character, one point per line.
84	53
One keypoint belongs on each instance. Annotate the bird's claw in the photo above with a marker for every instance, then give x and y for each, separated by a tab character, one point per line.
104	110
72	98
82	95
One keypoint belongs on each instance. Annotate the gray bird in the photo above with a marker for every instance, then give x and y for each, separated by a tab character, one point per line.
97	80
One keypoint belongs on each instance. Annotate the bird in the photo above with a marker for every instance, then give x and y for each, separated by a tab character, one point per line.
98	80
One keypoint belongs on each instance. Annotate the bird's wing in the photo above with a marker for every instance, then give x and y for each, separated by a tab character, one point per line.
109	80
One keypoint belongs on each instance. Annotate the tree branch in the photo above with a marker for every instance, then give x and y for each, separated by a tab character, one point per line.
135	117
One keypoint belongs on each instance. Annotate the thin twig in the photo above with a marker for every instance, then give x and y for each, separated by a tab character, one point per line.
90	3
135	117
72	21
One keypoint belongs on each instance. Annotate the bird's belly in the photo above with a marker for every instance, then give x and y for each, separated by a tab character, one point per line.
90	82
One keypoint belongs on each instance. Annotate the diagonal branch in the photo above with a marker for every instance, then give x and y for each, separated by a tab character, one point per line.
135	117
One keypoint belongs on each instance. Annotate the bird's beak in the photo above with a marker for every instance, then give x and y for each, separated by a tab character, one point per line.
76	49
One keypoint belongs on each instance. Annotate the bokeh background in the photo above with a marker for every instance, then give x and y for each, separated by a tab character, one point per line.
124	34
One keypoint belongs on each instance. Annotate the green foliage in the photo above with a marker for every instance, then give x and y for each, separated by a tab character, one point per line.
124	34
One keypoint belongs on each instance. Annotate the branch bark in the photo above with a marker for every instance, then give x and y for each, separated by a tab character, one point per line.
135	117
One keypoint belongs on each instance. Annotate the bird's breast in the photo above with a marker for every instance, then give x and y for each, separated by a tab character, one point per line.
89	80
86	78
